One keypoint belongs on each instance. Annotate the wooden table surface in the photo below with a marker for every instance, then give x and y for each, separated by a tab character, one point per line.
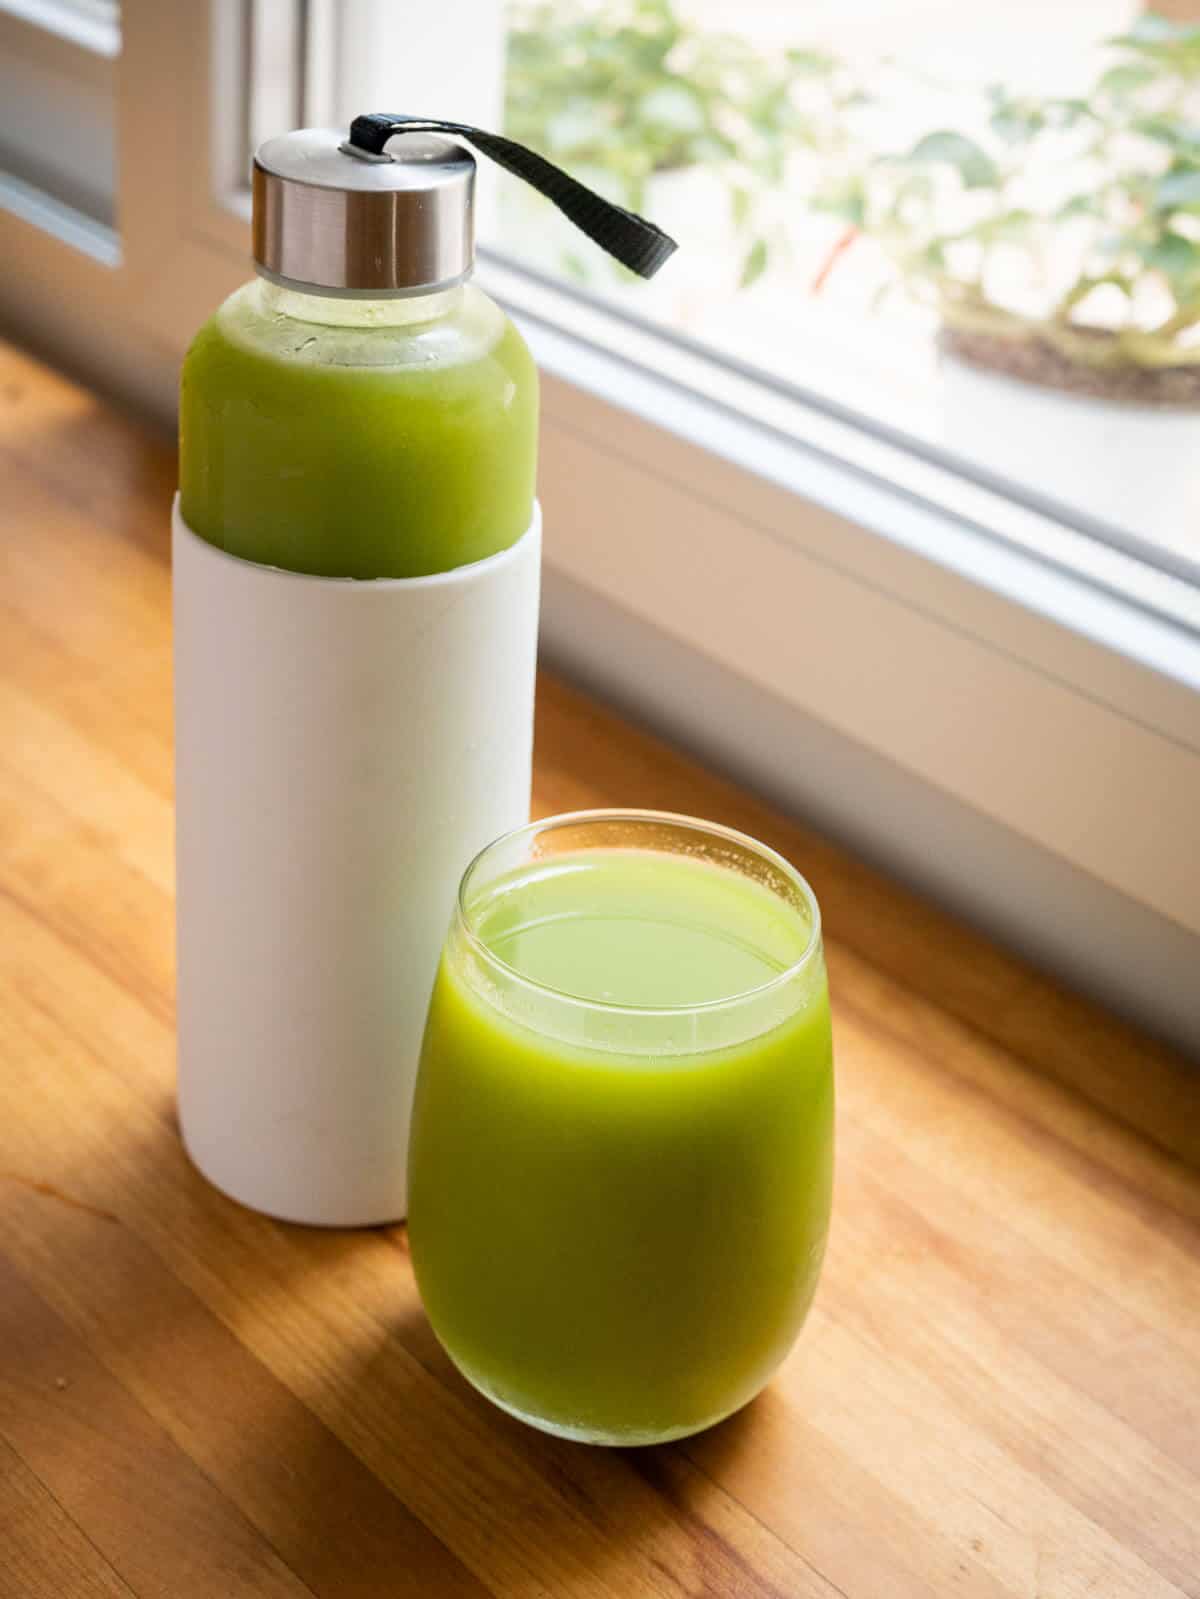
997	1393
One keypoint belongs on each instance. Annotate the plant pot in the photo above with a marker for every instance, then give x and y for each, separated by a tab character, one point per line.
1035	360
1133	465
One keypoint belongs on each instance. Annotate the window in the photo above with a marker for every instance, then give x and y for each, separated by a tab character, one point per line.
988	252
842	450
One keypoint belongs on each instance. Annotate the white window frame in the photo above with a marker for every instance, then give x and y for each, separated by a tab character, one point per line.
778	544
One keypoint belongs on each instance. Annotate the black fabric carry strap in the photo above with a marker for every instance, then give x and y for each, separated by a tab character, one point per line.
631	239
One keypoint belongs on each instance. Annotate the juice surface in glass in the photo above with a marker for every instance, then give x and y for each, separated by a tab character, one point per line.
622	1143
351	438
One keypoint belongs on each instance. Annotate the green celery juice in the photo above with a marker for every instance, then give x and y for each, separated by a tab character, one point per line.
352	438
622	1144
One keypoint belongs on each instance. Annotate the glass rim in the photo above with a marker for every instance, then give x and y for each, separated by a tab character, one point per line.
695	824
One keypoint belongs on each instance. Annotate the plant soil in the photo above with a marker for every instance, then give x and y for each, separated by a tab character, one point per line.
1032	360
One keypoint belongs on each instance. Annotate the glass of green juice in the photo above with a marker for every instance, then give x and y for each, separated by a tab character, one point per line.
622	1143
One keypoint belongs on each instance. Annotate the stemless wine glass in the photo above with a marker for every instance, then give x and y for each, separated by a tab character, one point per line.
621	1156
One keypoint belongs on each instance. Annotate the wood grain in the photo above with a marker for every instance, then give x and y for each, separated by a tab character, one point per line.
997	1395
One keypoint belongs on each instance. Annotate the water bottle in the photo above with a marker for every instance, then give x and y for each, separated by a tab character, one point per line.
356	561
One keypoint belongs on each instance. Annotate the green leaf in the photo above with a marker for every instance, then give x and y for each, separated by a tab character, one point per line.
1008	225
1014	127
739	205
754	265
846	199
1171	131
971	161
706	149
1079	205
1066	113
1125	78
1176	56
1173	255
673	106
1178	189
811	63
1017	120
771	163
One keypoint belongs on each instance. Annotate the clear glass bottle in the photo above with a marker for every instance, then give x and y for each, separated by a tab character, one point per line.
356	550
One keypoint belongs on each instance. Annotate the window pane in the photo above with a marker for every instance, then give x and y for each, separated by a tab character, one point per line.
972	224
57	101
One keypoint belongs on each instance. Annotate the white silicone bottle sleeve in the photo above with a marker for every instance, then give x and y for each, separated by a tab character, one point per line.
343	749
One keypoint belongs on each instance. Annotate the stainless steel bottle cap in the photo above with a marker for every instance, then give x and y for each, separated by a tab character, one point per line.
329	221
